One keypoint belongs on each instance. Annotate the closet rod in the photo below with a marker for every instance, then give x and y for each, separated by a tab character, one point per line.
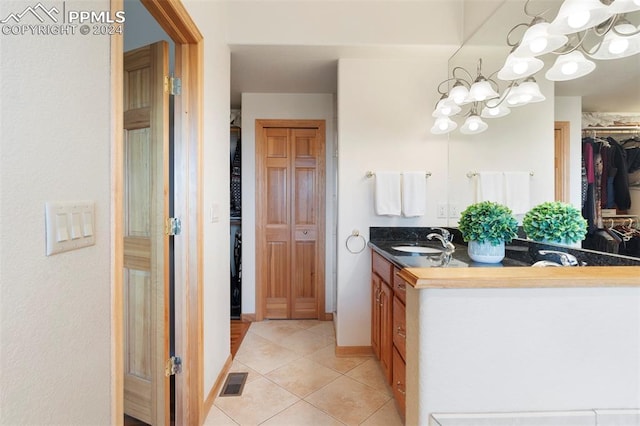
612	129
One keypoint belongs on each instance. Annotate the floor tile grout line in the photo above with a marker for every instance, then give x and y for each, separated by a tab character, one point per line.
298	356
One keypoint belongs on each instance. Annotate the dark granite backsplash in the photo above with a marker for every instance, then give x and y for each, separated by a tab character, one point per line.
519	249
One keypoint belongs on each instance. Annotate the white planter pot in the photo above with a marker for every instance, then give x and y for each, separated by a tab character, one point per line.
485	252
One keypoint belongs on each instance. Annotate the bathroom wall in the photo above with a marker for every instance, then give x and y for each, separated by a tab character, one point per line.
55	311
284	106
384	108
520	141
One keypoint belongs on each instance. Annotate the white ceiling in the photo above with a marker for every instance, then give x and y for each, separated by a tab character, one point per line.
613	87
302	69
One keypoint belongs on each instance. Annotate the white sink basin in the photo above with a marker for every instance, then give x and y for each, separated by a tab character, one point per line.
418	249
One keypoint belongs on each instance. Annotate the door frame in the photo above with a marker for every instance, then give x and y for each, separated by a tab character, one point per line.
561	160
260	125
176	22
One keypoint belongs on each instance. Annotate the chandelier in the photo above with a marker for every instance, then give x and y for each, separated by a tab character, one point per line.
478	98
582	30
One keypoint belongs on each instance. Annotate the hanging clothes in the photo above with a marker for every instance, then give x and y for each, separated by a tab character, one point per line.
622	196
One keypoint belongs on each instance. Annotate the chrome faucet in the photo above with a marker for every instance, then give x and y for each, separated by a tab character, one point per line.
566	259
444	237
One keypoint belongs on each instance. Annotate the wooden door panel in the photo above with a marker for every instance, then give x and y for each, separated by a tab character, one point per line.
138	306
138	188
145	246
277	290
386	331
290	200
304	282
305	196
277	143
278	202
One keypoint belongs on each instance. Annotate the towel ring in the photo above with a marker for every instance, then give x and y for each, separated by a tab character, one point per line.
355	236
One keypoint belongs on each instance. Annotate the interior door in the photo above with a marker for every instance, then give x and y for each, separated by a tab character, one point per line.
146	246
290	221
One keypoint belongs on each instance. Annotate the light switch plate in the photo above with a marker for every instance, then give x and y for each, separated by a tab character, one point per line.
69	226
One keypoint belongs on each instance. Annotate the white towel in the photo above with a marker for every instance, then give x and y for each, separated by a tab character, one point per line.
387	193
516	189
414	193
491	187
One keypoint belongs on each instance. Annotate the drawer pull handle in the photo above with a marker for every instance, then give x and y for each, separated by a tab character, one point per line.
400	331
402	287
400	388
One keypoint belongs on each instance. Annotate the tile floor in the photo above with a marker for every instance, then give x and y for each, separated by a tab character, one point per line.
296	379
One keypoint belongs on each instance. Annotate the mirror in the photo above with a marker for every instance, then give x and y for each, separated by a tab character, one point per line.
523	141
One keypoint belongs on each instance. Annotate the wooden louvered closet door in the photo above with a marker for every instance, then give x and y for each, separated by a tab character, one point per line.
290	219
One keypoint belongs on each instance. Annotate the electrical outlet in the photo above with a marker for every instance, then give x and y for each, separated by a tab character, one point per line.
442	211
454	211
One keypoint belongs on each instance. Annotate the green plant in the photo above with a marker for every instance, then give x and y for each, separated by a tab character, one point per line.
488	222
554	221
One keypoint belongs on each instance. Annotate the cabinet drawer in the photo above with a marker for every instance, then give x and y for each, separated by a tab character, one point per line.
399	383
399	286
399	327
382	267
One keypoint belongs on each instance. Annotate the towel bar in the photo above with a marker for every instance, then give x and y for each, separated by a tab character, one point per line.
474	174
371	174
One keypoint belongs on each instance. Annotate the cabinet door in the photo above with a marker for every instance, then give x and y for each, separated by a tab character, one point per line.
399	380
399	326
375	314
386	330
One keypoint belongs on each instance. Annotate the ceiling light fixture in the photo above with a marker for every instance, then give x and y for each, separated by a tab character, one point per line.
582	30
468	95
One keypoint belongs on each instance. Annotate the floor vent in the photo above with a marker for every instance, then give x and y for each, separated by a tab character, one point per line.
234	384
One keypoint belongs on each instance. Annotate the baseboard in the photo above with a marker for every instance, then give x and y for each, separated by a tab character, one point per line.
215	390
248	317
328	316
346	351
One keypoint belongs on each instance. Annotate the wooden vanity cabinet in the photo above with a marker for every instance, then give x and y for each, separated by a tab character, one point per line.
399	341
382	313
388	324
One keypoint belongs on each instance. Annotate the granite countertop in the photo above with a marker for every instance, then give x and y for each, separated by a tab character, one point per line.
458	259
457	270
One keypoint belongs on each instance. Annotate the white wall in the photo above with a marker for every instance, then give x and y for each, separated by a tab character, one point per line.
502	350
569	108
520	141
283	106
55	312
345	22
384	110
211	20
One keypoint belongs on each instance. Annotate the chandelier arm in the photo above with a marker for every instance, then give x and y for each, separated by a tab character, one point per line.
581	37
504	95
509	43
624	34
460	79
533	15
443	82
607	26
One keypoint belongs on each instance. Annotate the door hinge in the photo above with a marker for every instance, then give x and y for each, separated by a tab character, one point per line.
173	226
173	367
173	85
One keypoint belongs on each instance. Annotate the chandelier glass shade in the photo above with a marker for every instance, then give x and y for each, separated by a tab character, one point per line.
582	30
473	125
578	15
478	98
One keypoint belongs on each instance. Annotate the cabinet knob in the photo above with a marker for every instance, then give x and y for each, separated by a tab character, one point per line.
400	331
